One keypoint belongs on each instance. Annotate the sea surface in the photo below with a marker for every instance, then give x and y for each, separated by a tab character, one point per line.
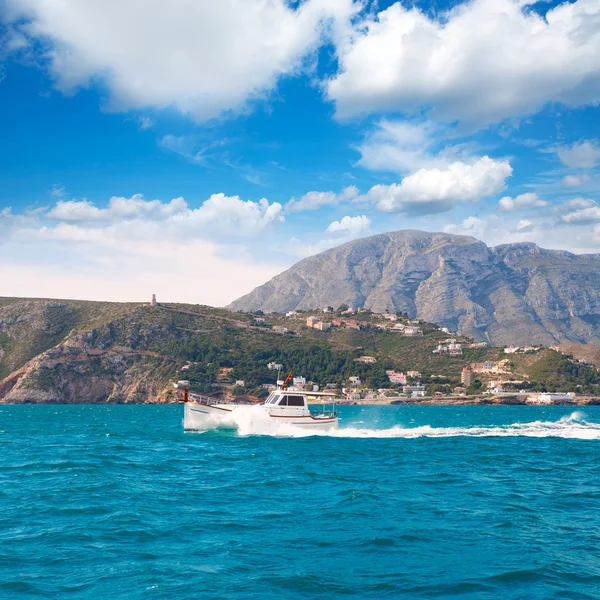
403	502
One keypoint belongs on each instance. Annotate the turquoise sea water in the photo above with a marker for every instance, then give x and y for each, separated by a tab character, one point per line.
404	502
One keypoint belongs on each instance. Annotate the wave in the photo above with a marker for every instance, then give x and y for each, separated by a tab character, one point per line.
254	421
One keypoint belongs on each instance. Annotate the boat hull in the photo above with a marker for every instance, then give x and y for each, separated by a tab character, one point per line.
202	417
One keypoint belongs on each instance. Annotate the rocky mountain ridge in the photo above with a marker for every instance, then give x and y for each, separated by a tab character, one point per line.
509	294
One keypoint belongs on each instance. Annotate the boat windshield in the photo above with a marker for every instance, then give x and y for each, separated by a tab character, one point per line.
272	399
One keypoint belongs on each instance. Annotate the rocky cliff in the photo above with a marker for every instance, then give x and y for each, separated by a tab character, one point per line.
70	351
510	294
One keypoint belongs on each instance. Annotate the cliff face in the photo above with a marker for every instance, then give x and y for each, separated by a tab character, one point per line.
83	352
511	294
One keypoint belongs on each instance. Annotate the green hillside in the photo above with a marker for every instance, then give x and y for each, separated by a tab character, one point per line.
55	350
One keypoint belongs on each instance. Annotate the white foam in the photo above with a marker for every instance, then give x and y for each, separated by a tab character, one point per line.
252	420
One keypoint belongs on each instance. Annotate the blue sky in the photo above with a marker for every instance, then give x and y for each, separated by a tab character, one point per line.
194	149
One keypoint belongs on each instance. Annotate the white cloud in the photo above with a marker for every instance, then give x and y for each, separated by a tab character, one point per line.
584	155
404	146
222	213
524	225
469	226
134	247
436	190
480	62
397	146
118	209
350	226
584	215
522	201
577	203
201	57
571	181
316	200
227	213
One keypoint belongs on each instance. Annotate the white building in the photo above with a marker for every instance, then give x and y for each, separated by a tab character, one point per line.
274	366
550	398
511	349
299	380
355	380
240	382
413	330
291	313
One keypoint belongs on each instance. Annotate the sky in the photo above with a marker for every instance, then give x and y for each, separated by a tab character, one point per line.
194	149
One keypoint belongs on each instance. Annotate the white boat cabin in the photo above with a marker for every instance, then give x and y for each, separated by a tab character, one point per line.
290	403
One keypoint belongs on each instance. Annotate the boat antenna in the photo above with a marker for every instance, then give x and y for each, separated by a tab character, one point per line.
287	381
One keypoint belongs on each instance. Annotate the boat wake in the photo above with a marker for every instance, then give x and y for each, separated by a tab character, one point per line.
250	421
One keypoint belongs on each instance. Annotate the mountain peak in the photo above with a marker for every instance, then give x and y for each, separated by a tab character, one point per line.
513	293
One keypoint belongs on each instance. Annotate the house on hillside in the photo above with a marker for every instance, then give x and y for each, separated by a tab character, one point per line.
368	360
395	377
411	330
310	321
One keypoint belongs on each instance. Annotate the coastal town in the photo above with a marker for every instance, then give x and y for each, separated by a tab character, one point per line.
481	381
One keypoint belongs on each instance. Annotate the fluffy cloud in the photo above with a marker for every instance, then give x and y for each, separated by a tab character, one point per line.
436	190
118	209
469	226
584	155
201	57
316	200
571	181
480	62
521	202
524	225
133	247
586	212
350	226
221	212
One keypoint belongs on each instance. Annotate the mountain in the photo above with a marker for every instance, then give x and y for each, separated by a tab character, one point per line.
509	294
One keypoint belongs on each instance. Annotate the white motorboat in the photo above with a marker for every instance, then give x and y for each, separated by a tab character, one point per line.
282	407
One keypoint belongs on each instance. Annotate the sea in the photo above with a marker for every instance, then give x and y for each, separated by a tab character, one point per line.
473	502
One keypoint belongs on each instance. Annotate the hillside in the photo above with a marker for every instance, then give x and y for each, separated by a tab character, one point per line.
70	351
512	294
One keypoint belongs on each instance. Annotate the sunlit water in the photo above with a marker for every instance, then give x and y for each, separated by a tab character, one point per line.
409	502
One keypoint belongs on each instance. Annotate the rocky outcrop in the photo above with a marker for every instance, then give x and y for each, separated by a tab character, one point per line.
510	294
76	352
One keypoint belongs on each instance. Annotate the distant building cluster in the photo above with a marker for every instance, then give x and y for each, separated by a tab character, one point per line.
515	349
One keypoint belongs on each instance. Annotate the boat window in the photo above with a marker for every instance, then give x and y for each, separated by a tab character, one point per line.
273	399
295	401
284	401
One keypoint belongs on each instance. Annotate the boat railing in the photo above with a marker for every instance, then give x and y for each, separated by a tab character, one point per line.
206	400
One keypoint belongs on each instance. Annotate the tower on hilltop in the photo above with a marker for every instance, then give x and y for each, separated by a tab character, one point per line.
153	301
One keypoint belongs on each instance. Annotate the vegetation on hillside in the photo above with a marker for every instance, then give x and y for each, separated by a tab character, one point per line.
214	348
